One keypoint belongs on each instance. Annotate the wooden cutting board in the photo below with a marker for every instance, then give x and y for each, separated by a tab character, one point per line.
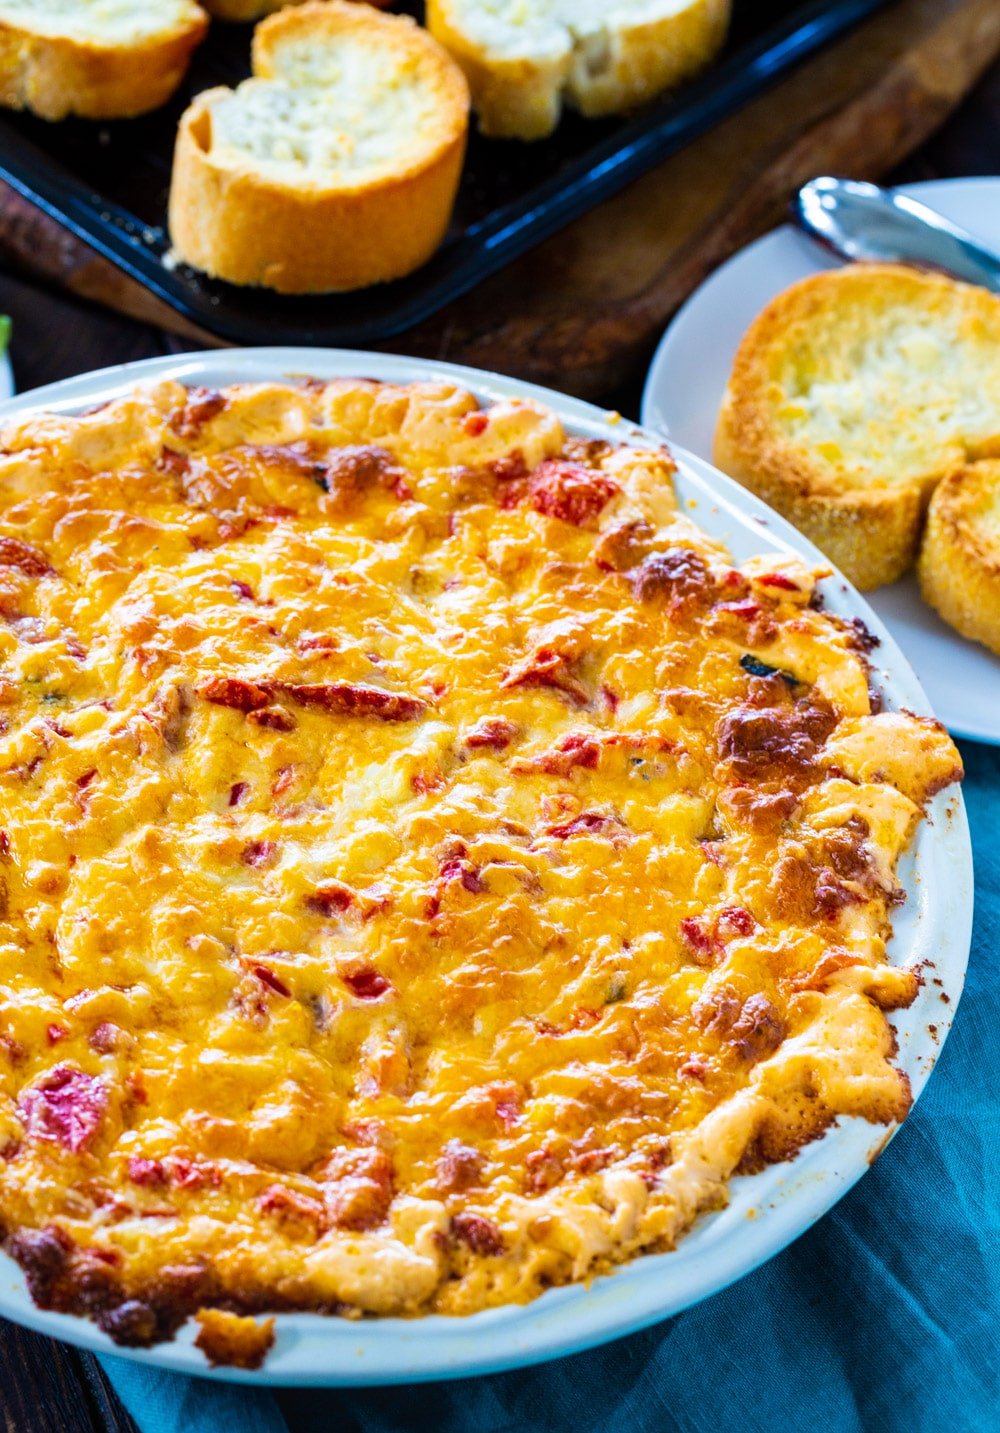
583	311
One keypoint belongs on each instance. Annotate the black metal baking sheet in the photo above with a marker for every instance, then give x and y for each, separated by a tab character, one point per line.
108	182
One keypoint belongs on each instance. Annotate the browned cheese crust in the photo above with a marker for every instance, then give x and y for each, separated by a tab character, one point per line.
430	868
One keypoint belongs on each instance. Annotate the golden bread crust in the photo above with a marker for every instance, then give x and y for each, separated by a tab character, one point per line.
960	557
429	867
236	222
55	76
818	415
519	84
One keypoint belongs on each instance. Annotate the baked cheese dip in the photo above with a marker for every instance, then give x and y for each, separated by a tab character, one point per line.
429	867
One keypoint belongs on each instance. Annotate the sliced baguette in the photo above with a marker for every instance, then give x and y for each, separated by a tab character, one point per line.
335	167
524	58
852	395
101	59
960	557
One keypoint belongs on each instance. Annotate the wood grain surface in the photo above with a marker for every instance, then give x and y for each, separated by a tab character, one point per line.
583	311
46	1387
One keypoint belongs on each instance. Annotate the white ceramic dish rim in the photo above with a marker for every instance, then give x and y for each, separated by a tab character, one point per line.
767	1211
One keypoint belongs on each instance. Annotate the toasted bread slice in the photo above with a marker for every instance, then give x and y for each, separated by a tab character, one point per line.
335	167
523	58
959	563
852	395
102	59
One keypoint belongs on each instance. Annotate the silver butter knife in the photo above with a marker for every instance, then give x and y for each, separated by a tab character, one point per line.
866	223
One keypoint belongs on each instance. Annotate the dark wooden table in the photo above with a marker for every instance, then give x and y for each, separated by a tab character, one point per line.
46	1387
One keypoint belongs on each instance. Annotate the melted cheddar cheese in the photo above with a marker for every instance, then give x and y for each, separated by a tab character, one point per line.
429	867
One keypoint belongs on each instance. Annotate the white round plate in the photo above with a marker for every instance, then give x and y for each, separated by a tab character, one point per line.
6	377
688	378
766	1211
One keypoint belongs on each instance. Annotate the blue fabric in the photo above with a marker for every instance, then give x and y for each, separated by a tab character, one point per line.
884	1316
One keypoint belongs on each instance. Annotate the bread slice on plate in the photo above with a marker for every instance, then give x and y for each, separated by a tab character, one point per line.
960	558
335	167
101	59
852	395
524	58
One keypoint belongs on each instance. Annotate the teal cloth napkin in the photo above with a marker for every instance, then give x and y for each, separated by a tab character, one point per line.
884	1316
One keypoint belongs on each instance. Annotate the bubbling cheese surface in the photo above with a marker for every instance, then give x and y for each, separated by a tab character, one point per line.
430	868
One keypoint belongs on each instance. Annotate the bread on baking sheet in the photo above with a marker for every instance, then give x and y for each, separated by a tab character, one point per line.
524	58
335	167
960	557
101	59
852	395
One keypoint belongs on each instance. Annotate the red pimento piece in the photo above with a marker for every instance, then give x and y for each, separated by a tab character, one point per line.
242	589
284	779
423	784
580	825
192	1174
359	1187
275	718
323	642
508	1110
590	1161
366	983
203	404
290	1204
544	1169
330	899
237	792
55	1033
576	749
779	580
565	490
273	982
105	1037
548	667
257	853
234	692
148	1173
4	843
747	609
494	732
475	423
459	1167
455	868
354	699
734	921
27	559
479	1234
458	869
65	1107
701	943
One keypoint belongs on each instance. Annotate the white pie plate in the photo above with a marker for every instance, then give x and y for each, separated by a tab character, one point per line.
688	377
766	1211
